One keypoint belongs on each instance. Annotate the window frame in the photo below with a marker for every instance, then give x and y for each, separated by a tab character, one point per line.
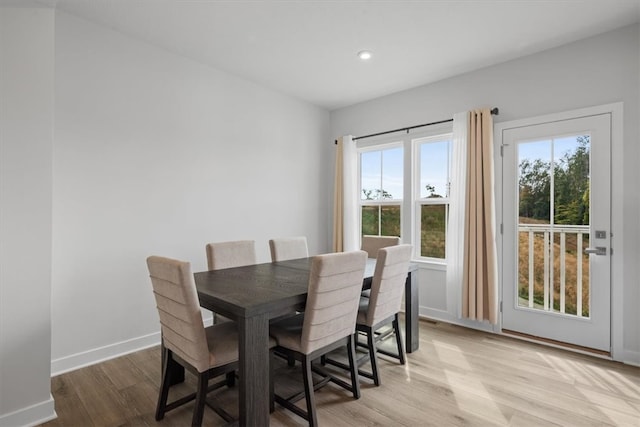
418	201
380	146
409	214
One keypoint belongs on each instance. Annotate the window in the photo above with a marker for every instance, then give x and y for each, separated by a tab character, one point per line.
432	194
381	190
385	172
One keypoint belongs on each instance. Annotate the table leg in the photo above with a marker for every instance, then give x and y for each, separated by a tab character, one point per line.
253	335
411	304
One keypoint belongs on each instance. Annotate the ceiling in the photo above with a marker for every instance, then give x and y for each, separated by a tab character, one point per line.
307	49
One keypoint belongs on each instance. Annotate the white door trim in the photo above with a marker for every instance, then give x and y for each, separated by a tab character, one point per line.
617	200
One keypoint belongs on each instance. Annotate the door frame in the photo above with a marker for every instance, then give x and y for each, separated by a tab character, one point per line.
617	199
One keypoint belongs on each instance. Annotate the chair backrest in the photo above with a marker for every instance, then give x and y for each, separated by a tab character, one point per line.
388	281
371	244
231	254
335	283
285	248
179	310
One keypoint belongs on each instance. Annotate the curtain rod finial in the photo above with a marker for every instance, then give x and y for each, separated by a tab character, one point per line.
495	111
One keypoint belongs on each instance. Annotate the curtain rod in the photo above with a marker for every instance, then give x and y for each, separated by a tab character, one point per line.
494	111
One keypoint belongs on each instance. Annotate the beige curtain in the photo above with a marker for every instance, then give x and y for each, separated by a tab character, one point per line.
480	281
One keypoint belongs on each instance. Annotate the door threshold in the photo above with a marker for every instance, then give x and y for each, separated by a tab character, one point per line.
558	344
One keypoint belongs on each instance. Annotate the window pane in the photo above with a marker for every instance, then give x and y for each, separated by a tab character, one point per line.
370	175
381	174
370	218
390	221
553	222
571	180
392	175
534	176
433	230
434	169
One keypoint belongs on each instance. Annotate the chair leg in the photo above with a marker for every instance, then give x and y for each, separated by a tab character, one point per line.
165	384
371	343
201	397
308	391
396	328
353	367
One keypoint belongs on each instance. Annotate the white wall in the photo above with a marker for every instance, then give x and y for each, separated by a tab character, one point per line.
594	71
157	154
26	130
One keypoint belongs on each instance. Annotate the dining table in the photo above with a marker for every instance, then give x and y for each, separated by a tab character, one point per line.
252	295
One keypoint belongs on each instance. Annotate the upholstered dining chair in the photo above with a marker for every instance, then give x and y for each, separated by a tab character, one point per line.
285	248
381	309
384	303
231	254
206	352
371	244
328	323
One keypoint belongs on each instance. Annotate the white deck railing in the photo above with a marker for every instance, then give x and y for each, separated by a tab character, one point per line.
545	231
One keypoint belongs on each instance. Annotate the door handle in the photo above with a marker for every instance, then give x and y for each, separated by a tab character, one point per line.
598	250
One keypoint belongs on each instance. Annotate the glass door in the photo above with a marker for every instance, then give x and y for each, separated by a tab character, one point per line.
556	212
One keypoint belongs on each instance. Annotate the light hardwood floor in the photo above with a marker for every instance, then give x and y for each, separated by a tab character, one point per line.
459	377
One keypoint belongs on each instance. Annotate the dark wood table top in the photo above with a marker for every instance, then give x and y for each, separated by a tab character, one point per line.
255	289
272	287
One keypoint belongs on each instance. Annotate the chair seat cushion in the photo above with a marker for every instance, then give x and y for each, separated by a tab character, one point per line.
287	332
222	340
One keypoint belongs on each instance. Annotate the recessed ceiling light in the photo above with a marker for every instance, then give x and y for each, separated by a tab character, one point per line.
364	55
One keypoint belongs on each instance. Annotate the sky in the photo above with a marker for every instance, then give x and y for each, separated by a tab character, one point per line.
383	170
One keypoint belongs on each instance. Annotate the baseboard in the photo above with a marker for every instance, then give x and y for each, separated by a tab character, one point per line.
111	351
30	416
100	354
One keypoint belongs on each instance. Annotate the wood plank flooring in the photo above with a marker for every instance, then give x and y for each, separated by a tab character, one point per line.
459	377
